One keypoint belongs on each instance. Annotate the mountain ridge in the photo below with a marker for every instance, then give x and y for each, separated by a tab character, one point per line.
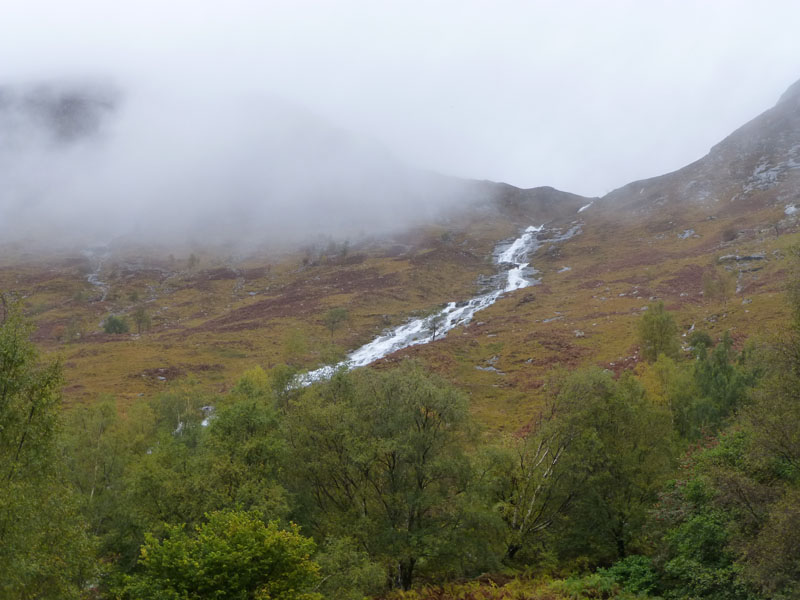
762	154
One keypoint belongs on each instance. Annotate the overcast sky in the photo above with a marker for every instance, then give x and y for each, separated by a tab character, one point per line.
581	95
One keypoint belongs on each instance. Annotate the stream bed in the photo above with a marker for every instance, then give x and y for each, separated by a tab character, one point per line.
515	272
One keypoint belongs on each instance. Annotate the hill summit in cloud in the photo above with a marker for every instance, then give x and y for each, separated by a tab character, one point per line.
92	163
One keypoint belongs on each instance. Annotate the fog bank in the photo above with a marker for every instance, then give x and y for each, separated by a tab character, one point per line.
90	162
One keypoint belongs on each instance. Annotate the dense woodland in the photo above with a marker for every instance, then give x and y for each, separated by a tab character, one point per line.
679	479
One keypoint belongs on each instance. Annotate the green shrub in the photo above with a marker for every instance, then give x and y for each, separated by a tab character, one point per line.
634	573
234	555
115	325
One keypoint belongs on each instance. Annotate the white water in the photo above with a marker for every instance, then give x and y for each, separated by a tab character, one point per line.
98	255
455	314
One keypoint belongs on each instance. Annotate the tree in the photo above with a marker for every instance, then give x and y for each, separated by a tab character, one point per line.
585	476
658	333
233	555
114	324
141	318
380	458
347	571
335	318
100	448
729	524
45	550
437	321
535	484
722	384
719	285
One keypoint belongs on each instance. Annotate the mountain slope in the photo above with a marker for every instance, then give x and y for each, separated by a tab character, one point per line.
756	165
729	214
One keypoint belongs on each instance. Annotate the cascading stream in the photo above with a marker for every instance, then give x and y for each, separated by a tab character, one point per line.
518	275
98	256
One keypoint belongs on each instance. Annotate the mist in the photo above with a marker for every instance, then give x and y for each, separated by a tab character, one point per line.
91	162
288	119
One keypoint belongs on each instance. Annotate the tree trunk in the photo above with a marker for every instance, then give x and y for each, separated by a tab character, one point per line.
512	550
405	572
620	547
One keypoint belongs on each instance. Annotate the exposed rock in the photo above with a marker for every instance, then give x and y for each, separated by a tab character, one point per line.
737	258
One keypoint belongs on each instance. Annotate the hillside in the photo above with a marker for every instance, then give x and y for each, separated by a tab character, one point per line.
221	312
598	405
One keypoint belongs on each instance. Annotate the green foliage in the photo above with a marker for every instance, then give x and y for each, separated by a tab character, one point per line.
793	286
719	285
379	457
594	585
45	550
242	457
722	385
295	347
696	559
101	448
635	574
141	319
623	446
772	556
255	384
699	340
703	395
114	324
386	469
191	469
658	333
335	318
232	556
585	475
347	572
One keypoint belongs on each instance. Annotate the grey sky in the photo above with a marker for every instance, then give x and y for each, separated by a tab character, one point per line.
581	95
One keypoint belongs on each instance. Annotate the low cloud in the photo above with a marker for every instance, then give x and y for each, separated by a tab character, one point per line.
96	162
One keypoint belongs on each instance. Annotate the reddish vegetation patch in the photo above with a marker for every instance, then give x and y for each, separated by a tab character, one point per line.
662	226
395	251
175	371
220	274
747	203
300	299
641	258
590	284
626	364
49	330
74	262
161	373
105	338
350	259
562	350
255	273
143	273
447	254
636	280
688	280
348	282
86	352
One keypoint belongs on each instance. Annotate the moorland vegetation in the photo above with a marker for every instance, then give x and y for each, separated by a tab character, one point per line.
679	478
